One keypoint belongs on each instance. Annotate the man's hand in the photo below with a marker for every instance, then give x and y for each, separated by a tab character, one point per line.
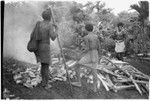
55	26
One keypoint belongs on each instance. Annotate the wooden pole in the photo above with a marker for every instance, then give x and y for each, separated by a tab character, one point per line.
64	60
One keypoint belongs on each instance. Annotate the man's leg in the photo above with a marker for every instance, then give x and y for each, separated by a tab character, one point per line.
78	82
82	61
94	72
44	73
122	54
117	56
78	72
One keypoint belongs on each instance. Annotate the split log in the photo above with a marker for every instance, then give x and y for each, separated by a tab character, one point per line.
101	68
136	85
123	87
103	82
141	76
71	63
117	67
109	72
144	89
109	81
111	85
129	80
98	84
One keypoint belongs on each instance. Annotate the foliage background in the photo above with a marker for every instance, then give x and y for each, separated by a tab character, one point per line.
21	17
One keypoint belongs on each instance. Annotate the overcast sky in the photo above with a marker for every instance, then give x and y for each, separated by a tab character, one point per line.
117	5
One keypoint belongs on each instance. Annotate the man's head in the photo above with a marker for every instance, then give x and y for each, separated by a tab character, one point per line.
89	27
46	15
120	25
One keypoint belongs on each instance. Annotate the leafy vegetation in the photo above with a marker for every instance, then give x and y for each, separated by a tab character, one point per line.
70	18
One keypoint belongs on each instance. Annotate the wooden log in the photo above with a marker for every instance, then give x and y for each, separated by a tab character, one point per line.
109	81
136	85
101	68
144	89
109	72
71	64
98	84
117	66
140	76
129	80
111	85
138	72
123	87
103	82
90	66
130	76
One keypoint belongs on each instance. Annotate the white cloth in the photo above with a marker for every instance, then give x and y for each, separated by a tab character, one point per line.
120	47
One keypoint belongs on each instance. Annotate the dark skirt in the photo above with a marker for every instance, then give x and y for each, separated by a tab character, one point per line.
43	54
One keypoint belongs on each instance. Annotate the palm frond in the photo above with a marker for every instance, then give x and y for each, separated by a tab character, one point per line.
145	8
142	9
136	7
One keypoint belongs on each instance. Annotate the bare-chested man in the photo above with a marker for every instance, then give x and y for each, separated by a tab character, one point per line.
90	54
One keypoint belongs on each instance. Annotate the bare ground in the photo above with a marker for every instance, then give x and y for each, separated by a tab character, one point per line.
61	90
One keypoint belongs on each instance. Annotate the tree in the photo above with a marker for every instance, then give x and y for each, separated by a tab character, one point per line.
143	10
143	13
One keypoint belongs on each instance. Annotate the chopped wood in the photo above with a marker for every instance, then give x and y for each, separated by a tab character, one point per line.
71	63
98	84
111	85
125	74
103	82
109	72
136	85
116	66
144	89
129	80
123	87
141	75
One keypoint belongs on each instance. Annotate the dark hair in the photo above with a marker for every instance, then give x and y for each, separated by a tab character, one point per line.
100	27
120	24
89	27
46	15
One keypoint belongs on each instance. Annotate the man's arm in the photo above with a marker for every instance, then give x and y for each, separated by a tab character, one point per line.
53	33
86	42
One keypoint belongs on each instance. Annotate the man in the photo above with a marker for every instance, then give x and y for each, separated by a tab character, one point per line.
44	32
119	37
90	54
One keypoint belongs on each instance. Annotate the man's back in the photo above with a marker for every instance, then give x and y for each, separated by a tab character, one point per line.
92	41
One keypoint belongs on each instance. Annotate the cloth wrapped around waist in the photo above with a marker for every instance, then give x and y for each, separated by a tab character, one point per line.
90	57
44	41
120	47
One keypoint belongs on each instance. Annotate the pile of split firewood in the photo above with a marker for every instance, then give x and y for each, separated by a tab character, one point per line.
117	75
114	75
30	77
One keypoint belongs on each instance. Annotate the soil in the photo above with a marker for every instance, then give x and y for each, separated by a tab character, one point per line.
62	90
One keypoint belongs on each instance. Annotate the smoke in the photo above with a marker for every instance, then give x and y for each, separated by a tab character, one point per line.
19	21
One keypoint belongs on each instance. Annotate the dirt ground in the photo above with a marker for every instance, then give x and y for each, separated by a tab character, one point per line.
61	90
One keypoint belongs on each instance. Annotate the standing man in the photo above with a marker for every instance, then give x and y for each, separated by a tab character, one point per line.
44	32
90	54
120	37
